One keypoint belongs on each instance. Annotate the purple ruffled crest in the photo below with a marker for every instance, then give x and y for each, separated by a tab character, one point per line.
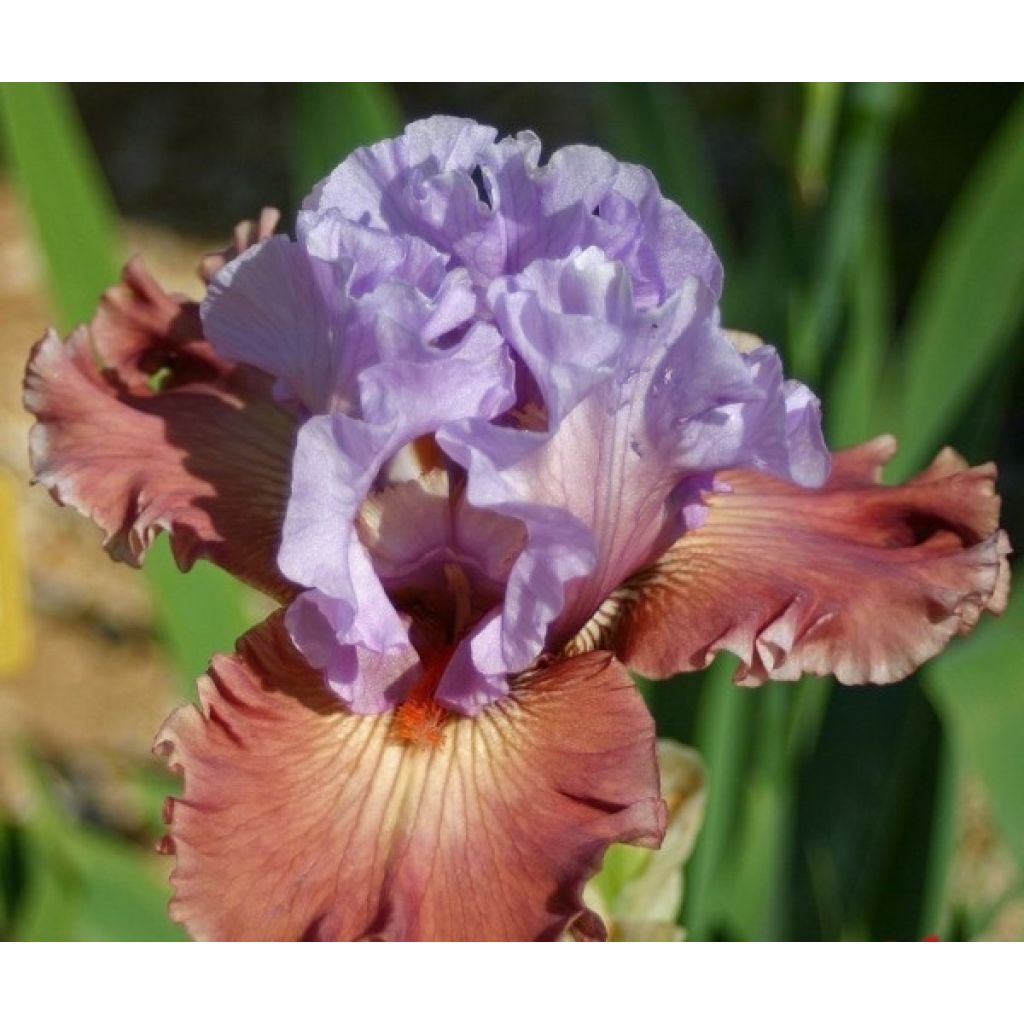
492	208
514	386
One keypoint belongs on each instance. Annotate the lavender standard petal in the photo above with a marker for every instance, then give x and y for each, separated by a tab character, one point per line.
501	352
312	323
421	185
636	400
382	185
279	309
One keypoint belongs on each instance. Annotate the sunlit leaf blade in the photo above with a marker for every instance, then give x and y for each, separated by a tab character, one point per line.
936	916
851	410
873	107
978	688
198	613
720	740
334	118
124	893
822	101
48	903
970	301
87	886
73	217
64	192
754	868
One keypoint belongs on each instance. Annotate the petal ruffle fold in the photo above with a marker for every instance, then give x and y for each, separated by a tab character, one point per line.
300	819
337	460
316	321
639	407
142	427
857	579
494	208
247	233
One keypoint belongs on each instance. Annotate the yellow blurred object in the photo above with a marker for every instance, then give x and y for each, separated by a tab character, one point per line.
15	621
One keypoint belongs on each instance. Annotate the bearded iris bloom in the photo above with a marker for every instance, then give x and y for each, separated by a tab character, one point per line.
480	431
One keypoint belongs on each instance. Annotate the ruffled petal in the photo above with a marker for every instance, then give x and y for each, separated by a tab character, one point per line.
367	673
300	820
283	311
142	427
859	580
658	243
559	548
638	405
247	233
376	256
338	459
783	431
494	208
538	212
384	185
319	323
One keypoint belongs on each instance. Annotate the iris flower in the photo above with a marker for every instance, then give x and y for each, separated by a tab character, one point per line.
479	429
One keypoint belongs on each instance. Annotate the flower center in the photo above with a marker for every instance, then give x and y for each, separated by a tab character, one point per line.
419	720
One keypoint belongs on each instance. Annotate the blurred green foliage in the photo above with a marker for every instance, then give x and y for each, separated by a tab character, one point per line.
832	812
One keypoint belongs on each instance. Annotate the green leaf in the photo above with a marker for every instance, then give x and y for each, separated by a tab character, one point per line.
84	884
60	183
936	916
822	102
754	874
853	194
852	408
124	891
50	902
969	304
333	119
199	613
978	689
723	717
73	216
88	886
864	817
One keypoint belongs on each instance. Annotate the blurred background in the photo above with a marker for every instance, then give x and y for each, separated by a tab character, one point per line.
874	232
